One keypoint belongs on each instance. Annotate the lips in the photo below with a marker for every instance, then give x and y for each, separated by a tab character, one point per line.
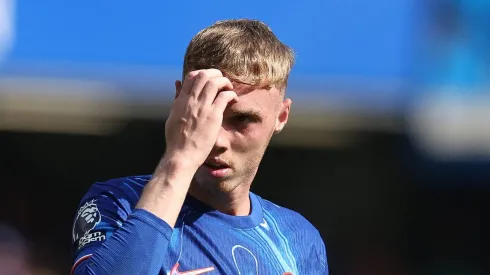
217	168
216	164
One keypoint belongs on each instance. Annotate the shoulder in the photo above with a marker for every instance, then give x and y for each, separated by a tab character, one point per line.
115	198
127	189
125	184
106	205
290	219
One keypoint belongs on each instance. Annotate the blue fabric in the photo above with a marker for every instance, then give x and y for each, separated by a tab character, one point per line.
111	237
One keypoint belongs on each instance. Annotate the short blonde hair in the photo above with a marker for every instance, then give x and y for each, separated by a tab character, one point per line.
246	51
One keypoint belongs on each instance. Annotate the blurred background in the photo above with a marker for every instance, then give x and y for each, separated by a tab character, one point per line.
387	151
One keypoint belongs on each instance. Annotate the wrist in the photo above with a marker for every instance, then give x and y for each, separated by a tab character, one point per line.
175	167
164	195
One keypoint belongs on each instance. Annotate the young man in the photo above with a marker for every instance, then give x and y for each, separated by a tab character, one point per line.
196	214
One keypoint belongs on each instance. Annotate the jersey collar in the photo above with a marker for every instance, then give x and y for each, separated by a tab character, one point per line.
242	222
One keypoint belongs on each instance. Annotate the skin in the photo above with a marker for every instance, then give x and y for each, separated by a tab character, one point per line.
213	119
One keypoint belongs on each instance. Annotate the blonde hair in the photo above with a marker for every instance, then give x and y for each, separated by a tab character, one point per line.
246	51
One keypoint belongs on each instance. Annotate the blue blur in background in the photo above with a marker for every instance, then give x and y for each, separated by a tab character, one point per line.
349	38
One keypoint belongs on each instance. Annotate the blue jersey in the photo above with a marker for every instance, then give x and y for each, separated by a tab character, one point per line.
110	236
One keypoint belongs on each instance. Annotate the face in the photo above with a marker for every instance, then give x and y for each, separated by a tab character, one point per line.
247	128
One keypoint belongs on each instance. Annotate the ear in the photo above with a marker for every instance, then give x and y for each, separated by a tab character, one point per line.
178	87
283	116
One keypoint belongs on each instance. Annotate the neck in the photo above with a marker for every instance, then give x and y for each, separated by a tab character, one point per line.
235	202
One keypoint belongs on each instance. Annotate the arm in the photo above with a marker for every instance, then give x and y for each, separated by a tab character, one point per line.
132	249
106	224
191	132
139	243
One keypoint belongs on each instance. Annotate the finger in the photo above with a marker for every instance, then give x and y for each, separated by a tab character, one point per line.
223	99
213	87
201	79
188	81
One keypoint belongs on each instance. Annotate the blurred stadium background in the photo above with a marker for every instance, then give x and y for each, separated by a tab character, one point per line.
387	151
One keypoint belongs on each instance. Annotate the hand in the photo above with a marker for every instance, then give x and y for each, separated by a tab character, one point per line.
196	117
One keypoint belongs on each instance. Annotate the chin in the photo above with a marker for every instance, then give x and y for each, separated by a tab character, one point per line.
209	183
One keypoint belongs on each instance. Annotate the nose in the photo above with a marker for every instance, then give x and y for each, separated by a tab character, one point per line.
222	142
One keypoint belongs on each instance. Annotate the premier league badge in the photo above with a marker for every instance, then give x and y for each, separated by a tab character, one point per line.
87	218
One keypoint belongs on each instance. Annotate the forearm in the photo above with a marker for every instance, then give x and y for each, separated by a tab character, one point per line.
164	195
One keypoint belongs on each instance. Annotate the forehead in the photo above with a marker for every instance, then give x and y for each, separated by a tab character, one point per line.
264	99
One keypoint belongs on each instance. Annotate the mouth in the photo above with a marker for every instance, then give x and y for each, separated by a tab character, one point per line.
216	164
217	168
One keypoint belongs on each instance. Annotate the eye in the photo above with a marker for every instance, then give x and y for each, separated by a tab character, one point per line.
242	119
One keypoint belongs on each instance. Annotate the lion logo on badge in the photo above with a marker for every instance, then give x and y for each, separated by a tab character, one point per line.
88	217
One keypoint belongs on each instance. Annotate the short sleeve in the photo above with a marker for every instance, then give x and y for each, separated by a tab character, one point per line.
101	212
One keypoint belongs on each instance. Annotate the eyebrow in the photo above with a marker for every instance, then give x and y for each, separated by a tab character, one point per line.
249	113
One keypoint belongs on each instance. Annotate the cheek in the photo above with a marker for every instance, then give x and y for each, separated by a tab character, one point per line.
251	140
